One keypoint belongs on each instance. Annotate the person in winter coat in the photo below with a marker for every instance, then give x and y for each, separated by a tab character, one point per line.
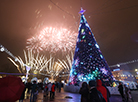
23	94
49	87
34	89
84	91
108	92
28	85
59	86
102	89
126	92
120	89
93	92
52	91
46	90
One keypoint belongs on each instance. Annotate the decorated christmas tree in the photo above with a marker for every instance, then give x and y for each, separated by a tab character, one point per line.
88	63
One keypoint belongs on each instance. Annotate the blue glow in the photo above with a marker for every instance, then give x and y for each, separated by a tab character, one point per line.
77	49
89	44
101	56
79	26
71	71
97	46
75	73
83	37
116	69
81	21
84	19
84	78
87	25
82	11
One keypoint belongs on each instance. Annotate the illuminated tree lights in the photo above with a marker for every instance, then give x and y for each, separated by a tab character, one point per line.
88	62
53	40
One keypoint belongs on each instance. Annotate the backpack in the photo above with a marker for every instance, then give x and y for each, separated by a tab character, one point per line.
46	88
101	96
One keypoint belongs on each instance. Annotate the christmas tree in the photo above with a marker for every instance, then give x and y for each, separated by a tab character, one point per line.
88	63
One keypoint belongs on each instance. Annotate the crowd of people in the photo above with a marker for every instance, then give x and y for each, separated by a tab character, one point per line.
34	88
125	92
95	91
50	88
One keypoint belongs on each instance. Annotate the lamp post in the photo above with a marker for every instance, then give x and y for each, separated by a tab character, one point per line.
1	49
136	70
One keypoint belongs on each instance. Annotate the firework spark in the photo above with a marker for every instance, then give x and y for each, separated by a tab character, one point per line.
53	40
39	63
53	68
35	61
15	64
67	64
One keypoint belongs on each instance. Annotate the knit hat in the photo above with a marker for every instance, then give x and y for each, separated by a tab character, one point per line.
92	83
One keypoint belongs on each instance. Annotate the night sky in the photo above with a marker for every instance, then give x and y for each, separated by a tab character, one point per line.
114	24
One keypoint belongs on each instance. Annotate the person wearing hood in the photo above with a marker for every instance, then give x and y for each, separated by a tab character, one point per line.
102	89
84	91
93	93
108	92
121	91
52	91
34	89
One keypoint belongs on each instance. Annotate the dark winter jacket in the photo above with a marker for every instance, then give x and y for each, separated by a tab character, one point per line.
28	85
127	91
93	95
102	89
84	91
23	94
34	88
120	88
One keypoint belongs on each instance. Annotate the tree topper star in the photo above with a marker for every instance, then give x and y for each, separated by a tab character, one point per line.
82	11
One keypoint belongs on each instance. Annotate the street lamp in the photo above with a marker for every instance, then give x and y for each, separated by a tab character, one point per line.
1	49
118	65
136	70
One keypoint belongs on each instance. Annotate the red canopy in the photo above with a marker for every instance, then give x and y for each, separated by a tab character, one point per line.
11	88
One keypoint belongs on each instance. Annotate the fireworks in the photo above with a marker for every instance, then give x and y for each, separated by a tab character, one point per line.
53	68
53	40
35	61
15	64
67	64
39	63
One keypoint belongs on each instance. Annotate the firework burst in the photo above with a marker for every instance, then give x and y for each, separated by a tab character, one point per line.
67	64
39	63
53	40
